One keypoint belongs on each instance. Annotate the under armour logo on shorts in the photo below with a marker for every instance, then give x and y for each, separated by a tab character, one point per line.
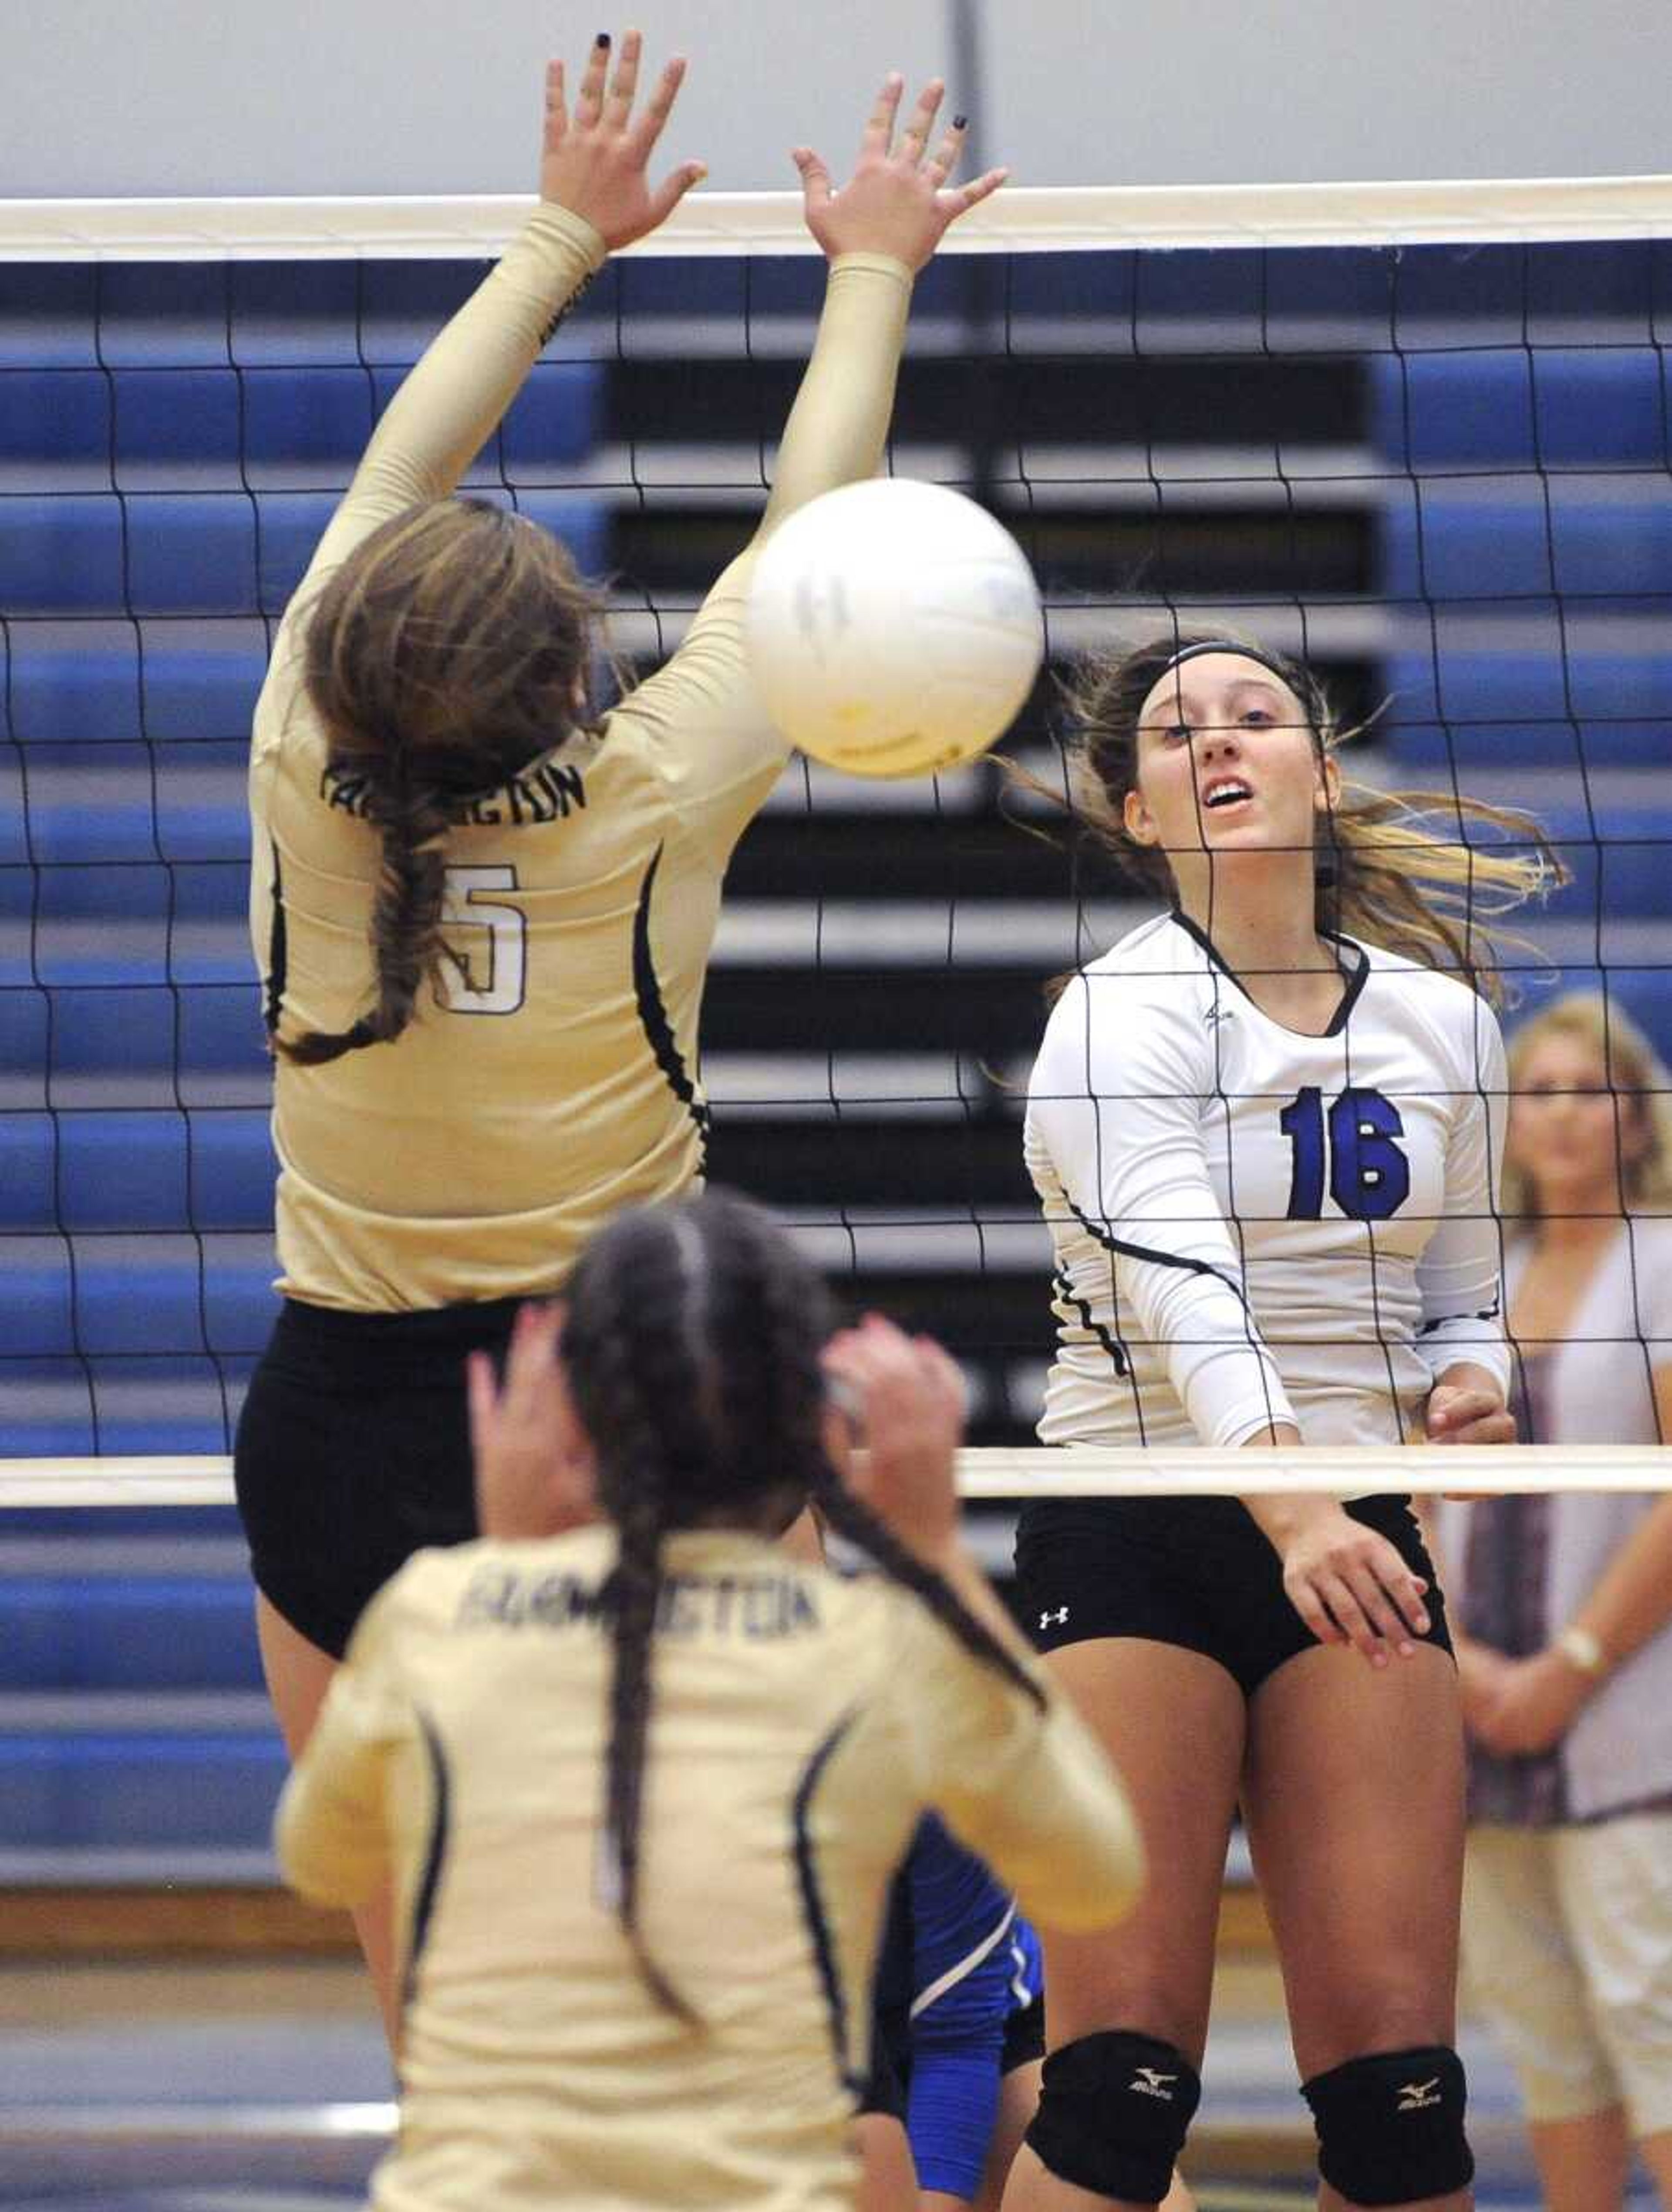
1059	1617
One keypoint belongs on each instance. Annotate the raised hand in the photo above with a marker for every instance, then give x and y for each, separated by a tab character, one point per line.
897	201
906	1396
533	1466
593	161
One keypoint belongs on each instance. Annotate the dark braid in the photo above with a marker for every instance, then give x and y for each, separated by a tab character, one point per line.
446	653
406	913
640	1383
692	1345
850	1517
791	1337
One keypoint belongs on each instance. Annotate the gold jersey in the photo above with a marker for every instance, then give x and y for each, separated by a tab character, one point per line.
800	1724
552	1077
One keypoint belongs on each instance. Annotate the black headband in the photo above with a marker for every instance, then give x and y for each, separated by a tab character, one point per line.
1286	676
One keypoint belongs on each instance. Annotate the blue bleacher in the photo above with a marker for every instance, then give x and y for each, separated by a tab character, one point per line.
141	1791
172	441
162	486
174	1632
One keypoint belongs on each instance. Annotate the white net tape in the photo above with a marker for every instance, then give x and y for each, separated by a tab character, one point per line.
1028	218
998	1475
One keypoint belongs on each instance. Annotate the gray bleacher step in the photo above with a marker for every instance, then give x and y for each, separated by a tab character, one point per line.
131	1558
149	1712
132	1866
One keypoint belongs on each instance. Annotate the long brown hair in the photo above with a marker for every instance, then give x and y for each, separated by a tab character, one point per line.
692	1342
450	649
1382	875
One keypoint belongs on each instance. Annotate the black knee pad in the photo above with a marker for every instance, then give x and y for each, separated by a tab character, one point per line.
1114	2110
1390	2127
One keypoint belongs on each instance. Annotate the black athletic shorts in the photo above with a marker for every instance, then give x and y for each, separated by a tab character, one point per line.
353	1452
1198	1572
885	2090
1025	2036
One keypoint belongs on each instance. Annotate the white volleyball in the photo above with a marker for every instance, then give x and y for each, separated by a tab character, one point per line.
894	628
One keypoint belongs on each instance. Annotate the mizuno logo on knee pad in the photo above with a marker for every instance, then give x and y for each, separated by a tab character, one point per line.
1418	2096
1390	2125
1113	2111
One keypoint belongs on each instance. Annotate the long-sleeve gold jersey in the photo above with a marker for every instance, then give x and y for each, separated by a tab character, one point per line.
552	1077
800	1725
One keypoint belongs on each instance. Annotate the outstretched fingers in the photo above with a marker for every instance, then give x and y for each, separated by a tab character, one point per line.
815	173
958	199
939	165
921	125
556	114
672	189
618	100
879	135
589	105
651	124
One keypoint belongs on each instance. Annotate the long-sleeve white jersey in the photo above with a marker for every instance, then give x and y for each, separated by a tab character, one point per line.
1252	1224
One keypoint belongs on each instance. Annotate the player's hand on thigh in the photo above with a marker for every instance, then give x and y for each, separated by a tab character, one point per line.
594	158
897	201
905	1397
1351	1586
533	1462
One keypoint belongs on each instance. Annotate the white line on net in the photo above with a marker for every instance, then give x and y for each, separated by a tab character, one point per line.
1018	1473
1060	218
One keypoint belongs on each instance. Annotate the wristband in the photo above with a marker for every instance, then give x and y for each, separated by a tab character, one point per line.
1583	1650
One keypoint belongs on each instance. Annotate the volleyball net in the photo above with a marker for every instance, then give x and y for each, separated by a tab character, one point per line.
1418	435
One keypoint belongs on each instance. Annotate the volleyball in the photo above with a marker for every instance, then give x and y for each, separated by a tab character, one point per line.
894	628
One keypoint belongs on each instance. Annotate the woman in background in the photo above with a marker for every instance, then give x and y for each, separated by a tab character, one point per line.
1565	1607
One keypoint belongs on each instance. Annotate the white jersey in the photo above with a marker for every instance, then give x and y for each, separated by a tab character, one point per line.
1255	1225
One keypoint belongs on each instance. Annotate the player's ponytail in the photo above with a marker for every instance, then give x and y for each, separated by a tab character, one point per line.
412	822
447	652
855	1520
796	1421
1398	869
633	1364
692	1343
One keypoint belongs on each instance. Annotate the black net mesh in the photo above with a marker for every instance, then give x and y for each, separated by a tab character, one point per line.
1440	473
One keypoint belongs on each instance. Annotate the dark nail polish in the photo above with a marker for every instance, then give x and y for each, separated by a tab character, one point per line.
958	122
602	39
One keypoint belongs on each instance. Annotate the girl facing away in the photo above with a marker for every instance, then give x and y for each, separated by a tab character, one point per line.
641	1778
483	912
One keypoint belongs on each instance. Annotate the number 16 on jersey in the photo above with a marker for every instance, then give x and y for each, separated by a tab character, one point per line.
1354	1142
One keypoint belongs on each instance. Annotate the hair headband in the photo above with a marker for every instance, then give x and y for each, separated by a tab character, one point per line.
1286	676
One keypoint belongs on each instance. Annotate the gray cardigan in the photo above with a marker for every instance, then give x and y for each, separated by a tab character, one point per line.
1619	1751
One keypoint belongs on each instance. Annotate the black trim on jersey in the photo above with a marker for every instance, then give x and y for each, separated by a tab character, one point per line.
424	1905
813	1902
1160	1259
279	949
1486	1313
1356	978
653	1014
1067	1294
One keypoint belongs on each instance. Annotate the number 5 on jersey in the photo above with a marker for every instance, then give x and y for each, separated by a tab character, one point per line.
1370	1177
496	985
